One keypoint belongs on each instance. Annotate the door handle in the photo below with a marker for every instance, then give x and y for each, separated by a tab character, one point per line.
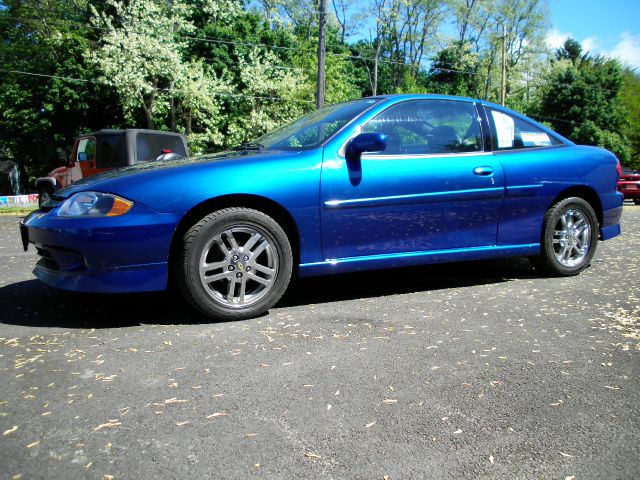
484	171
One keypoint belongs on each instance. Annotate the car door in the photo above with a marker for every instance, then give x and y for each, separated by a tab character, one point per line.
433	188
85	156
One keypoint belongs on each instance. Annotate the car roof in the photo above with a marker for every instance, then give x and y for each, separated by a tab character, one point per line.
434	96
115	131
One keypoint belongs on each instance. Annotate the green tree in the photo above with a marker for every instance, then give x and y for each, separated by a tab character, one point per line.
454	71
48	92
582	97
630	96
142	55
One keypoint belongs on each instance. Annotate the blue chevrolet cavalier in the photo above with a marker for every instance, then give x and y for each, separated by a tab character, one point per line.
381	182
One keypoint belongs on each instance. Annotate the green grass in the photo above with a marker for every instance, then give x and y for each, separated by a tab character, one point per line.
17	210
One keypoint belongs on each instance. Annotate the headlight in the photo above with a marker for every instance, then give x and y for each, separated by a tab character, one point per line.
94	204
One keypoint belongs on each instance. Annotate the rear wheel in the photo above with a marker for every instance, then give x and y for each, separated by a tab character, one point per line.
636	201
235	263
569	238
45	192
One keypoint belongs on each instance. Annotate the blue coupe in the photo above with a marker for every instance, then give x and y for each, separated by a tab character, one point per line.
380	182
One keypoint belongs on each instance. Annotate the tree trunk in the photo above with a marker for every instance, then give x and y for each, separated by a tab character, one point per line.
172	106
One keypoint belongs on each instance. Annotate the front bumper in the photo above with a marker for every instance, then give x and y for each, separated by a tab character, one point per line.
104	255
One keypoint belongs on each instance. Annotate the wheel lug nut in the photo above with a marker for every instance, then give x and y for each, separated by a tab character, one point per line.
238	275
248	269
235	258
231	268
245	258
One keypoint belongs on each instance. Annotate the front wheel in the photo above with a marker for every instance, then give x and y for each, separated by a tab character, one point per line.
234	264
569	238
636	201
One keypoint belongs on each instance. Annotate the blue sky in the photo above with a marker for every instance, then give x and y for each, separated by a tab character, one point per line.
609	27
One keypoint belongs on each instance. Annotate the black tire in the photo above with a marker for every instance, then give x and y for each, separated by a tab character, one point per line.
547	261
636	201
208	242
45	192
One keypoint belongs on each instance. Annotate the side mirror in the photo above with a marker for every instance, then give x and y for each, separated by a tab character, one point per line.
365	142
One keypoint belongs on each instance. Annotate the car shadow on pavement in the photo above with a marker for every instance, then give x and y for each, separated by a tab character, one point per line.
31	303
377	283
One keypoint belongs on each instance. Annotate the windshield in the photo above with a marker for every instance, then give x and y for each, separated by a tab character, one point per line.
315	127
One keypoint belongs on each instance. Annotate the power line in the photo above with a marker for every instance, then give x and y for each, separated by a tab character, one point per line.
214	94
224	94
206	39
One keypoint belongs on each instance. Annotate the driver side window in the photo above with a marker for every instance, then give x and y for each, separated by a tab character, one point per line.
423	127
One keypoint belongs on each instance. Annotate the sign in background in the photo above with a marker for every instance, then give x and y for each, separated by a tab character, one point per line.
19	200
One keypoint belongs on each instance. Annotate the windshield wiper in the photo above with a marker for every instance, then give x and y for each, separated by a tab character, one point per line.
250	146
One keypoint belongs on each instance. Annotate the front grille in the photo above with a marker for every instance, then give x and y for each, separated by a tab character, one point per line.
60	258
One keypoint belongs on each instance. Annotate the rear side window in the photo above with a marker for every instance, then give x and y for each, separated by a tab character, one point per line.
424	127
512	133
110	151
150	146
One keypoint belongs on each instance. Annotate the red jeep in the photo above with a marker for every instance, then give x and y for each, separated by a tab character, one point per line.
107	149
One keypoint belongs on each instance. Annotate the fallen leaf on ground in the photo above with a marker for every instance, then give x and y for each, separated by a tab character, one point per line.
369	425
109	424
179	424
390	401
312	455
11	430
566	455
31	445
491	459
217	414
457	431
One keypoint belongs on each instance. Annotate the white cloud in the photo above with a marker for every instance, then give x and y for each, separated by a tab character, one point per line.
627	49
590	44
556	38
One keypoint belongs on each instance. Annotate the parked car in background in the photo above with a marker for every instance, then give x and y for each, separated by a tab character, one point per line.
380	182
629	185
108	149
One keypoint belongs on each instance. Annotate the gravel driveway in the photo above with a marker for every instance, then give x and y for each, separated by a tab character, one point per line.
470	370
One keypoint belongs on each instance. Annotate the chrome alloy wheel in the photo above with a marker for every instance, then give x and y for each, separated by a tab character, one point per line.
238	266
572	238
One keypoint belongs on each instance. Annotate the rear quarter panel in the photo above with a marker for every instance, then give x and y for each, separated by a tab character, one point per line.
535	178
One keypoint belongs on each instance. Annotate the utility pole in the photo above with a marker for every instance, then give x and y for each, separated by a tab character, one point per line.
322	24
503	84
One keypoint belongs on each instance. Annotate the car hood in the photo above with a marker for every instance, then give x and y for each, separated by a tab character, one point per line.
132	174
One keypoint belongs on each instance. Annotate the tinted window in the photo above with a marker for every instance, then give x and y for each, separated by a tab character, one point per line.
429	127
150	146
512	133
110	151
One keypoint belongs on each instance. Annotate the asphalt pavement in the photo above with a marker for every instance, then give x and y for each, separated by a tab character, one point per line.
465	371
